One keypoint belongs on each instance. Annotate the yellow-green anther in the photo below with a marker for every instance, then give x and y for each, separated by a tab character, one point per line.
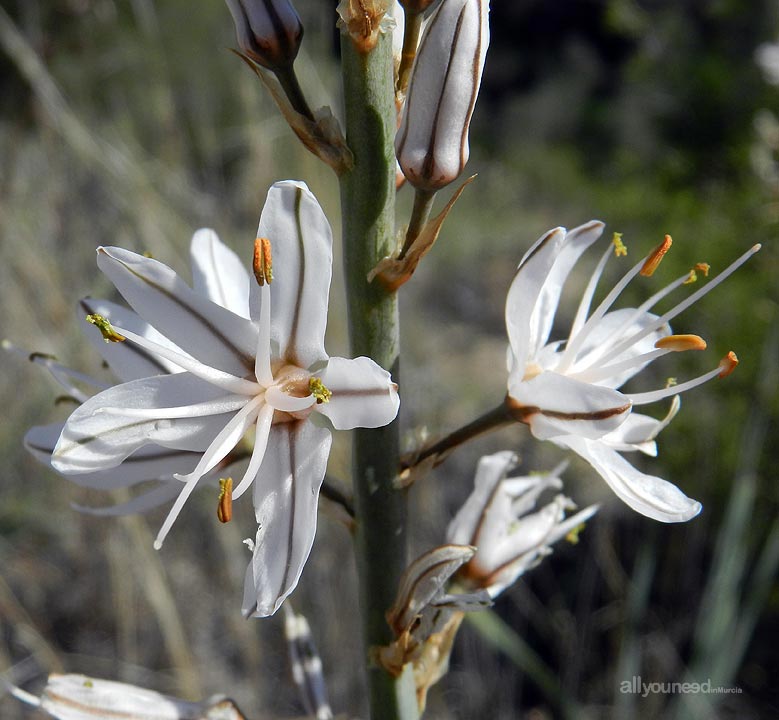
620	249
573	534
319	391
105	327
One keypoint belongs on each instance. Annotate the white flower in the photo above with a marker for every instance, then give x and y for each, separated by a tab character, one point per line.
497	519
567	391
261	365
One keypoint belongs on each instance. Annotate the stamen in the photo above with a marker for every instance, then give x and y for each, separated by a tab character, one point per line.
682	306
211	375
619	247
106	330
584	304
262	432
224	507
221	445
655	395
262	263
728	364
681	343
703	267
575	342
262	364
692	277
656	256
319	391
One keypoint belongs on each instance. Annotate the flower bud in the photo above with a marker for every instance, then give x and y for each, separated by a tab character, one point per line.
432	143
268	31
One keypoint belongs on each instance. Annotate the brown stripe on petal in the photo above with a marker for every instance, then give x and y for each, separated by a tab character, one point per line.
428	166
522	413
292	433
291	354
244	359
475	78
539	246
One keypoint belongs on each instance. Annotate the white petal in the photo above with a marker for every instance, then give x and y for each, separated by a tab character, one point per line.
127	361
285	502
490	471
363	394
646	494
210	333
524	292
301	247
279	400
557	405
575	243
93	441
148	463
218	273
160	495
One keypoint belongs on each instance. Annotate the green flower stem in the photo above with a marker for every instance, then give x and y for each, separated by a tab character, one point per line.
368	214
423	203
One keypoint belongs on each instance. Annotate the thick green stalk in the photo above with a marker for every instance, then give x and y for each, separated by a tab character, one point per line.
368	211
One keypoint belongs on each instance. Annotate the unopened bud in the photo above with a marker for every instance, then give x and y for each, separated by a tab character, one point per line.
268	31
432	143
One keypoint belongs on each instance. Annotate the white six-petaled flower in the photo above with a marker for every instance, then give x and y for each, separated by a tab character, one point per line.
256	360
568	391
497	519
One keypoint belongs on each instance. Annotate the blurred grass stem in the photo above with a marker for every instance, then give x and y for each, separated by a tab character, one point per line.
368	207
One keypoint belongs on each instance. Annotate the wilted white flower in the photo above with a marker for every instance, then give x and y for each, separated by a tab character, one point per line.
497	520
261	365
78	697
432	142
567	391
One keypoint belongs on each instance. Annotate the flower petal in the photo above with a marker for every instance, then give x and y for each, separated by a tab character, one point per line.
210	333
94	439
218	273
575	243
302	249
147	463
285	502
524	292
363	394
490	471
143	503
127	361
555	405
646	494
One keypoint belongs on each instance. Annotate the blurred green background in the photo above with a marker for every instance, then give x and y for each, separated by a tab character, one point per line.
128	122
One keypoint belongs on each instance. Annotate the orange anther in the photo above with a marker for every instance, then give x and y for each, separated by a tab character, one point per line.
653	261
680	343
728	364
262	264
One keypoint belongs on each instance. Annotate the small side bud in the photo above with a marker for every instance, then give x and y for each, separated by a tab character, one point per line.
268	31
224	507
432	143
655	257
262	263
105	327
